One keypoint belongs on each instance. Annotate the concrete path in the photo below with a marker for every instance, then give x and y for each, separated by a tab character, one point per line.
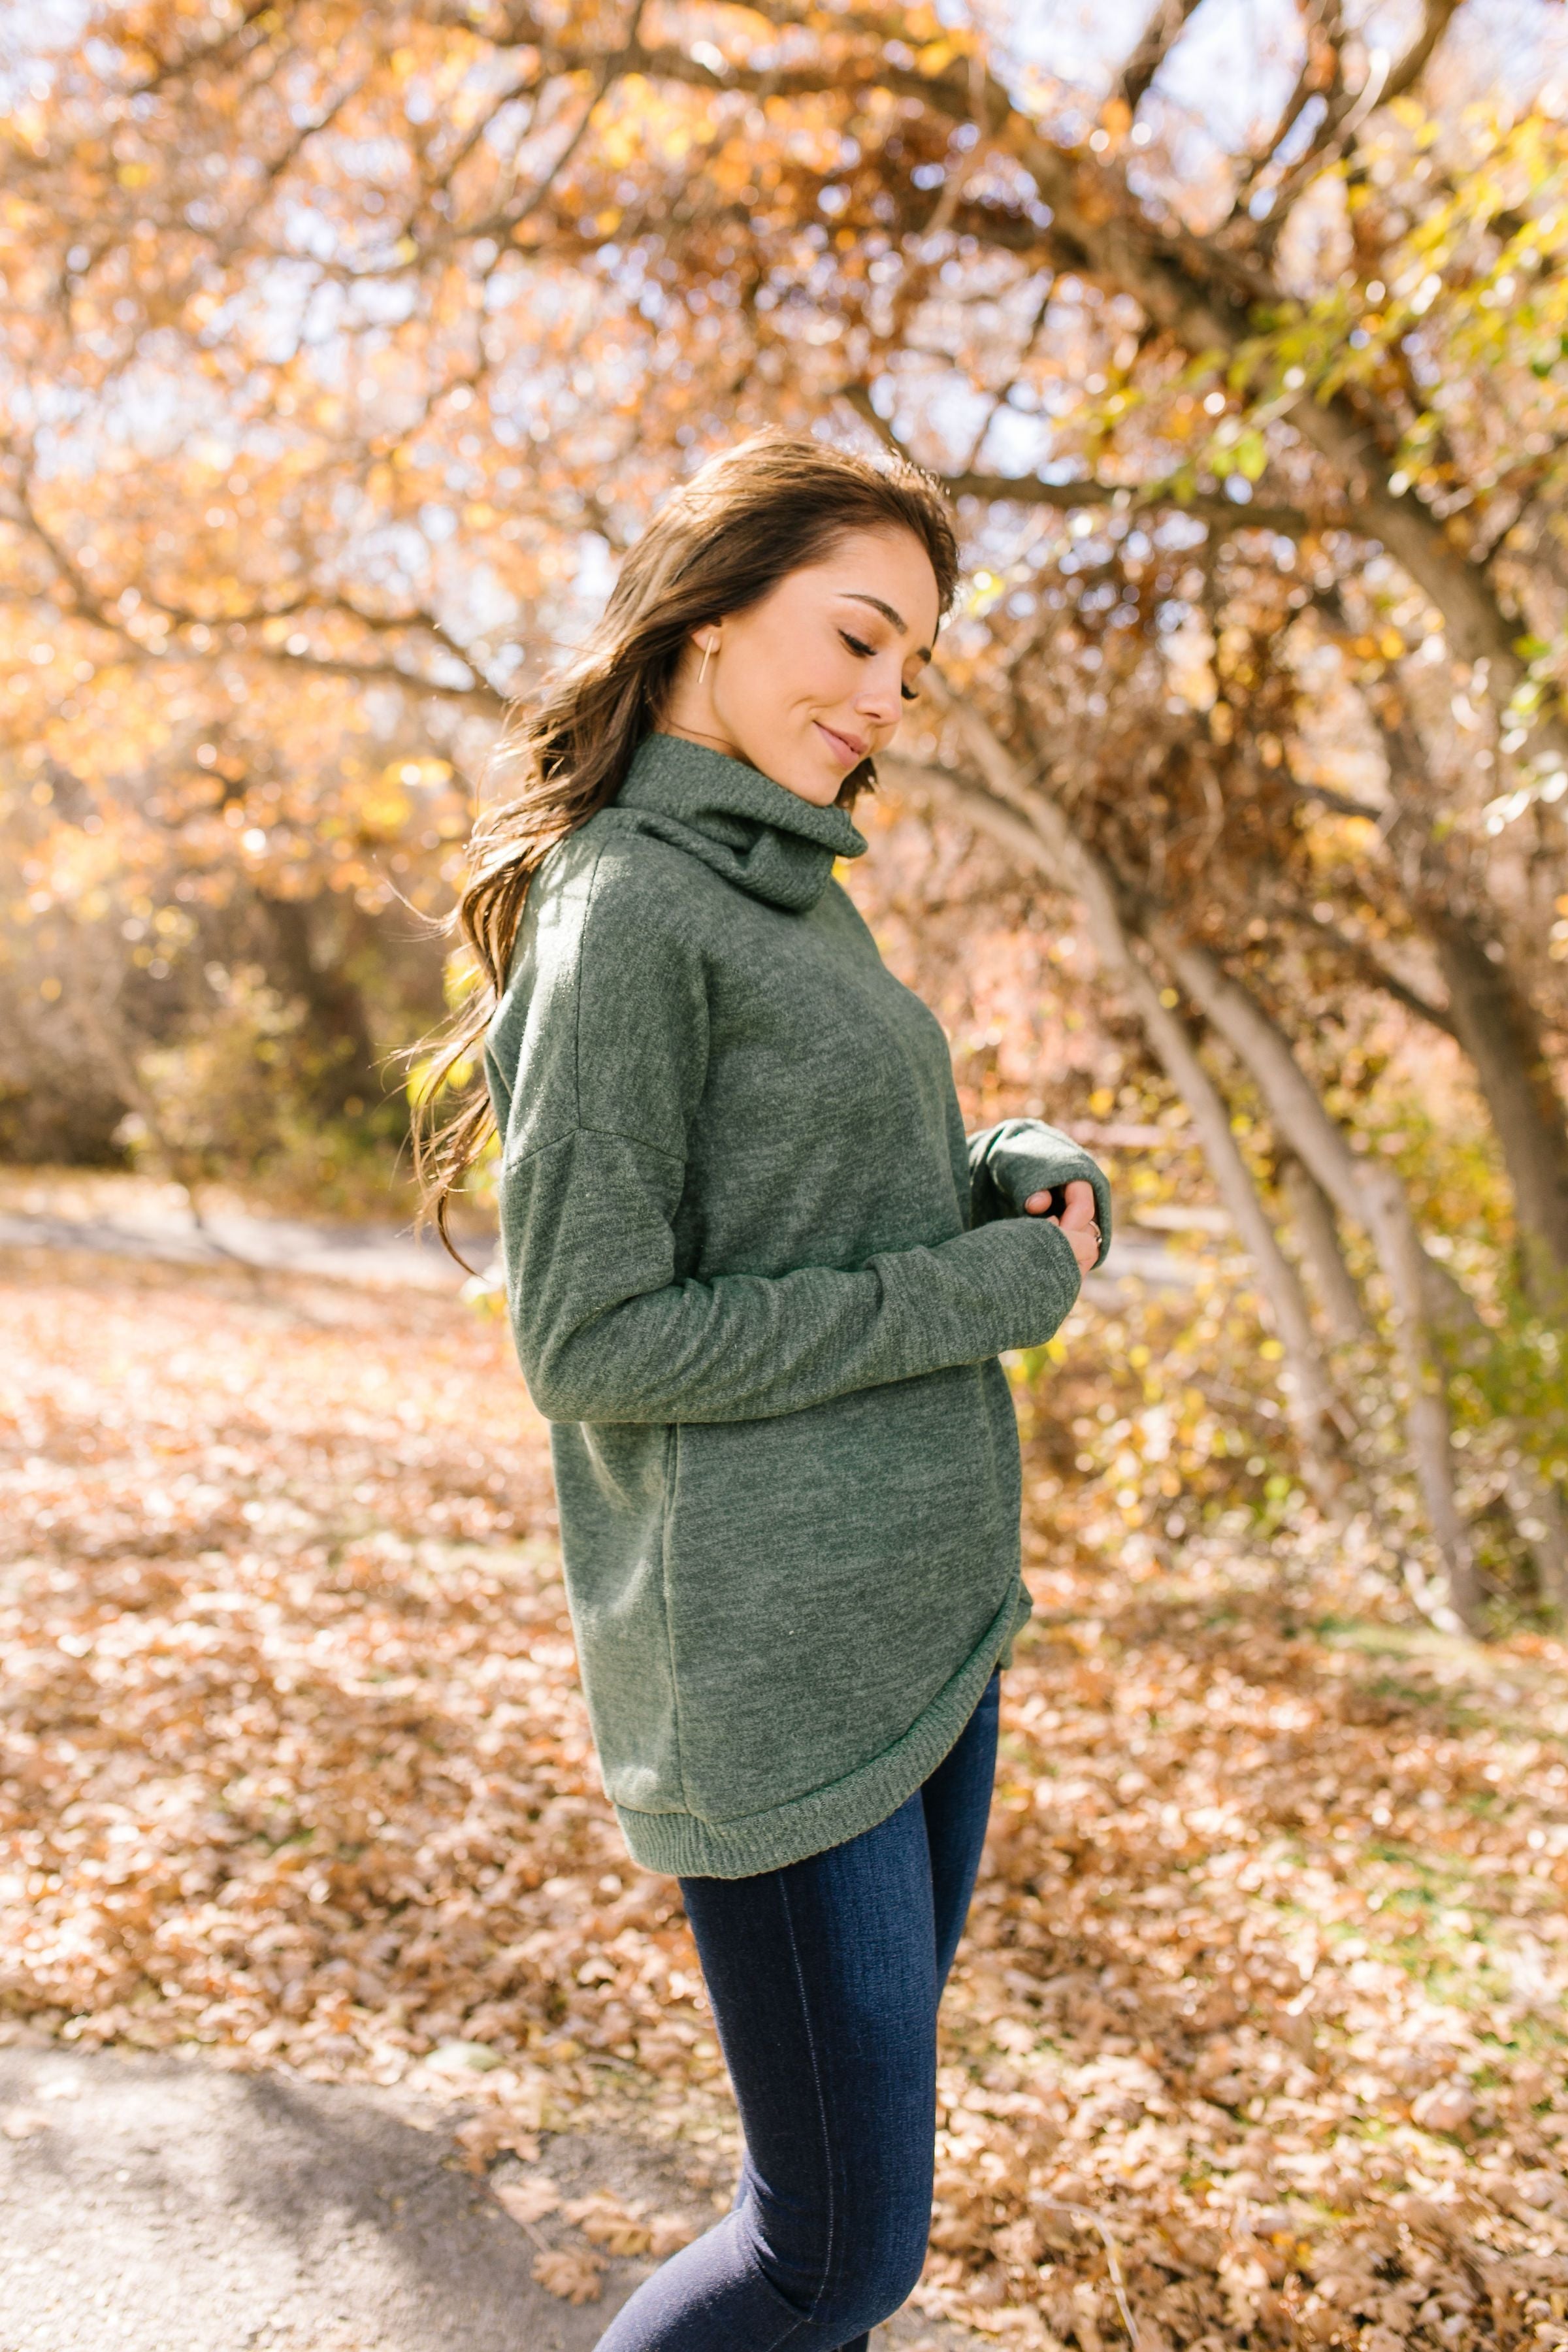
141	1225
162	2204
148	1228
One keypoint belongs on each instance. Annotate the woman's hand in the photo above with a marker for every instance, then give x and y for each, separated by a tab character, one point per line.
1077	1219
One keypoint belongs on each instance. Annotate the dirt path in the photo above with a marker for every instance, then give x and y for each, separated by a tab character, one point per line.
130	1216
160	2204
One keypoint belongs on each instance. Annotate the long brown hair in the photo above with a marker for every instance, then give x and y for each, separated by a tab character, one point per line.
773	505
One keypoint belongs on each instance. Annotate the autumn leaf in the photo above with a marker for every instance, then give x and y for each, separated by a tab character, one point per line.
574	2277
527	2200
484	2138
603	2220
667	2232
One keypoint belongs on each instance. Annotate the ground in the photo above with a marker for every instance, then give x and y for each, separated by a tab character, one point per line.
307	1884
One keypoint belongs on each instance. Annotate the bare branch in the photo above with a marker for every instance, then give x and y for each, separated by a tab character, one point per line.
1369	968
1211	506
1346	112
1070	497
204	53
1340	802
508	217
1155	44
1319	77
1407	71
481	697
1032	826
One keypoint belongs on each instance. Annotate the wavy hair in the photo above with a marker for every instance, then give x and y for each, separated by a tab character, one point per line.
773	505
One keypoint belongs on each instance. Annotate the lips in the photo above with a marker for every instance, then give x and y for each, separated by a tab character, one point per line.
849	748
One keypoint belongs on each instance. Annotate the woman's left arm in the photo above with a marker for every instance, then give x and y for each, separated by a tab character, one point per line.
1018	1157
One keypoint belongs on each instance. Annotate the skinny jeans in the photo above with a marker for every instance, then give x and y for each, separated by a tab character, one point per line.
825	1978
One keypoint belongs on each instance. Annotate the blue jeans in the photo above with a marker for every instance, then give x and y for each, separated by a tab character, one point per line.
825	1978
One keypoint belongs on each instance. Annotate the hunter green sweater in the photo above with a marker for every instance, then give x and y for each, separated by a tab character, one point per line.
759	1280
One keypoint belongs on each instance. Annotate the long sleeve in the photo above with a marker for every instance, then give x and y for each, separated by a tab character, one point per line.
605	1331
747	1289
1019	1157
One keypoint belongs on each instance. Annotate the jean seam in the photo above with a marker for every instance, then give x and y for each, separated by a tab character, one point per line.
821	2104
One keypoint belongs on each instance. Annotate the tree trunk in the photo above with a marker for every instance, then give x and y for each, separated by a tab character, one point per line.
1428	1424
1055	851
1312	1214
337	1033
1430	1306
1491	1016
1371	1194
1497	1028
1309	1398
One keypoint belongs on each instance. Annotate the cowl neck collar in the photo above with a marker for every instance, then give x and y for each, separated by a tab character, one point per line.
758	834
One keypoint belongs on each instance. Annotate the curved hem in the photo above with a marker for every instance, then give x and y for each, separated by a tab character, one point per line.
683	1846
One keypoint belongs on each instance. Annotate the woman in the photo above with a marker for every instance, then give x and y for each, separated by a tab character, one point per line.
759	1281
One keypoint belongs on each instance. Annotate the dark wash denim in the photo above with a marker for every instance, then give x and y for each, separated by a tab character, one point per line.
825	1978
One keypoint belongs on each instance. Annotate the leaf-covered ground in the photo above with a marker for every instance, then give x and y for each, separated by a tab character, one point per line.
1264	1979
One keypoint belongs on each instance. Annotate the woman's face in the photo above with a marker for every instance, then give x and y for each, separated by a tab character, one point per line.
809	681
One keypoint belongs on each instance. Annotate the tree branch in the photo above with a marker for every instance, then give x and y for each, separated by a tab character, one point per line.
1155	44
1034	828
1030	491
1346	112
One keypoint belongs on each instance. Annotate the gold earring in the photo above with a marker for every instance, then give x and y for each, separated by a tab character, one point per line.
707	651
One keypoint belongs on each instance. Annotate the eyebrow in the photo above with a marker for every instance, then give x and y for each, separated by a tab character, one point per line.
887	613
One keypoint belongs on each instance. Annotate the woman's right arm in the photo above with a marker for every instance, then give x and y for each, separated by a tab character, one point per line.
599	1072
606	1333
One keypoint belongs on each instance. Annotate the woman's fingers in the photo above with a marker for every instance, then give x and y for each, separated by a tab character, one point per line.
1076	1220
1080	1208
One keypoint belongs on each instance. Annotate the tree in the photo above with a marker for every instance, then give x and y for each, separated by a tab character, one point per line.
346	352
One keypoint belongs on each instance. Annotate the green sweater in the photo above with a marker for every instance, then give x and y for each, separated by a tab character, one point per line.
759	1281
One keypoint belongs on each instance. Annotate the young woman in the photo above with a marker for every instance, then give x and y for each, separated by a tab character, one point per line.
759	1280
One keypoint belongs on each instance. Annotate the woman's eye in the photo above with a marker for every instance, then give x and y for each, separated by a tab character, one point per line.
859	645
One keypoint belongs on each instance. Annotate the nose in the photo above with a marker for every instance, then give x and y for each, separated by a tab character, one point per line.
880	699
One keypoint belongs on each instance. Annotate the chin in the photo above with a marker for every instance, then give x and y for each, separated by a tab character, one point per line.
805	777
818	783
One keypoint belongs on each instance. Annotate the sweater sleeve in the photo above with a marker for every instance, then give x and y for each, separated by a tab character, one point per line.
1022	1156
606	1332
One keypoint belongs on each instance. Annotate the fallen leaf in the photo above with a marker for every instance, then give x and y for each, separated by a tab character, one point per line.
667	2232
1443	2108
527	2200
372	1828
602	2218
484	2138
574	2277
462	2058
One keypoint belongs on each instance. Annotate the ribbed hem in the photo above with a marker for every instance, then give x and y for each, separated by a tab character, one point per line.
686	1847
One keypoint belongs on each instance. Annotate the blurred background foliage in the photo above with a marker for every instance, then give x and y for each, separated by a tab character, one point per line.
344	351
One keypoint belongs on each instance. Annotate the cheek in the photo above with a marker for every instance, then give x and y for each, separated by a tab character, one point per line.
795	674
